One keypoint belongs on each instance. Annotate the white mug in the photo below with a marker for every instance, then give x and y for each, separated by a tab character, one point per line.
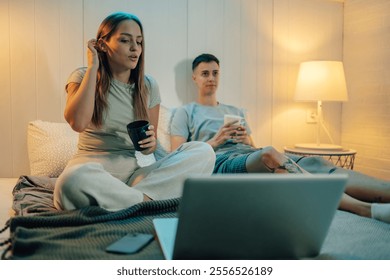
233	119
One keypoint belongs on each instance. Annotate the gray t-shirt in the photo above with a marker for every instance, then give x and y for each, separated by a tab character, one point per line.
196	122
113	136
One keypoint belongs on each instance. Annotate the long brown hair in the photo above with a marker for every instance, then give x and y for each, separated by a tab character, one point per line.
108	26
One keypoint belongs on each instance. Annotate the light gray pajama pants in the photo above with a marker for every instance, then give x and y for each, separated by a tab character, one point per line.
105	180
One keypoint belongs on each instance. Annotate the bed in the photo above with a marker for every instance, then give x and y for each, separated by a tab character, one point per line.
36	230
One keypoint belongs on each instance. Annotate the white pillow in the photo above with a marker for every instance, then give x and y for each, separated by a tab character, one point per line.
50	146
164	127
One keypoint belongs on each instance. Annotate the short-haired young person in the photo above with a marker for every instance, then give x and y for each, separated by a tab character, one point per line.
203	120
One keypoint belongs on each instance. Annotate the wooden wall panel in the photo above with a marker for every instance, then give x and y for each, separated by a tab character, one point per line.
214	32
23	78
231	56
281	54
261	118
166	48
71	44
366	115
6	151
248	95
205	31
197	27
47	42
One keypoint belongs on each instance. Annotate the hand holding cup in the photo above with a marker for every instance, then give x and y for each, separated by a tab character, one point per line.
137	132
233	120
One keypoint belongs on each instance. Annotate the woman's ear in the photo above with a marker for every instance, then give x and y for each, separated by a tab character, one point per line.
101	45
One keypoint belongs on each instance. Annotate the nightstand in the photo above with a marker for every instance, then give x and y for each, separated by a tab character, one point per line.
344	158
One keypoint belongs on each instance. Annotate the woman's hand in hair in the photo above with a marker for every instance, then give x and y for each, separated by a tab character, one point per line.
92	54
150	143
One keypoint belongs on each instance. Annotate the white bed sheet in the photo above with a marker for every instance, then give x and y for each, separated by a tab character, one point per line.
6	187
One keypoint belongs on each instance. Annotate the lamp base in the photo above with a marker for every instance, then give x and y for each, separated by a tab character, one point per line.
315	146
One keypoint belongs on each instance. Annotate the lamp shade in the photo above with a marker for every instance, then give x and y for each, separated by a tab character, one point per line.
321	81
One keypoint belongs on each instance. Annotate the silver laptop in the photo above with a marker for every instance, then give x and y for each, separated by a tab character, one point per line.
251	216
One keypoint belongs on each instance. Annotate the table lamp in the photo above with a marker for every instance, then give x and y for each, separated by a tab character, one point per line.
321	81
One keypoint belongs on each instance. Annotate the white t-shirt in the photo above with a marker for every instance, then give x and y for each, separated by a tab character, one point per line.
196	122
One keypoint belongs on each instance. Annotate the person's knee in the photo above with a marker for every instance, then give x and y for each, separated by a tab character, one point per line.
271	151
200	148
267	159
68	192
271	156
316	164
201	152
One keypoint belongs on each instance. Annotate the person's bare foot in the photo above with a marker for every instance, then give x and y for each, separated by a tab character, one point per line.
381	212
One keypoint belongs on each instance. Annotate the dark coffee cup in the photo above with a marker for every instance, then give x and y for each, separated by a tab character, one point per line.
137	132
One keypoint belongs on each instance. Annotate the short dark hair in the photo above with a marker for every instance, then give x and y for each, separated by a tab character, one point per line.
205	57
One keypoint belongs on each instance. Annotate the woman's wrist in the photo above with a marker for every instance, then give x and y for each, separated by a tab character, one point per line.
93	67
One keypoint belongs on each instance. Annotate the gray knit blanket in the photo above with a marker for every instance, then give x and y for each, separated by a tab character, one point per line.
39	231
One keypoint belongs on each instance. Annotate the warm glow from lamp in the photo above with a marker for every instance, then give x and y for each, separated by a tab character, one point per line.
321	81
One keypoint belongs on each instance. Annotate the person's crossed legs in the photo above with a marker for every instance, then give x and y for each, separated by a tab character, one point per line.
269	160
364	195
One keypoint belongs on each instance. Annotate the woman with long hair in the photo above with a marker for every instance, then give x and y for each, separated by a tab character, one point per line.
102	99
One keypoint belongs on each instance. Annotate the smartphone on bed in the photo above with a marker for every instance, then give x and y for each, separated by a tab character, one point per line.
130	243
